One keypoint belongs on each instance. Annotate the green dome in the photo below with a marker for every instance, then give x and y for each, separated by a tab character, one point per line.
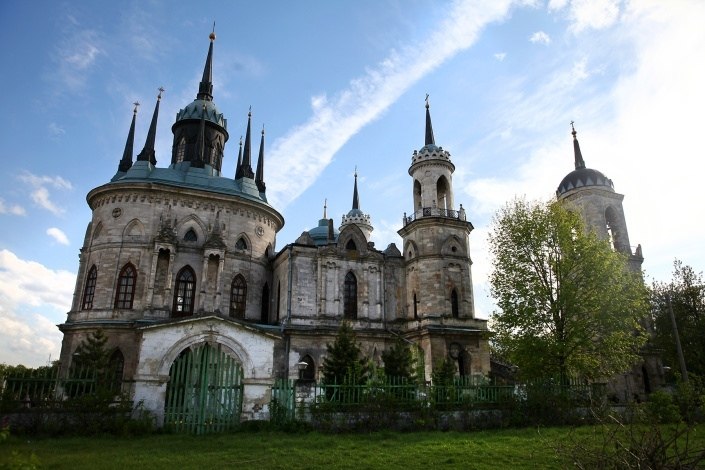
195	110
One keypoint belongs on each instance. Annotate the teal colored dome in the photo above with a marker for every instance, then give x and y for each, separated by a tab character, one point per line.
195	109
320	233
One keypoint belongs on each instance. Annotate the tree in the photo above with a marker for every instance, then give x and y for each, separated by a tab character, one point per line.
91	352
569	305
687	292
344	362
398	360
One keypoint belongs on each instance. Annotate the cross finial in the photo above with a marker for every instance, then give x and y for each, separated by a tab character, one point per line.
355	171
136	103
161	90
262	129
325	208
427	100
212	35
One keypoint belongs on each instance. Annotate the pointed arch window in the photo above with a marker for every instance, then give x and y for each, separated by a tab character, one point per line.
350	296
116	365
238	297
184	292
351	245
241	244
264	309
125	294
454	304
89	290
190	236
181	150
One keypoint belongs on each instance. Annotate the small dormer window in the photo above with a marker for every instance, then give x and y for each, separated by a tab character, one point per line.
241	244
191	236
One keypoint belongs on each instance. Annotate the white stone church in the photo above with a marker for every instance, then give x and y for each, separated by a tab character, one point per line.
181	271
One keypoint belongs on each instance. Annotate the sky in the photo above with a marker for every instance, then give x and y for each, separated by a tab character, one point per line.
340	86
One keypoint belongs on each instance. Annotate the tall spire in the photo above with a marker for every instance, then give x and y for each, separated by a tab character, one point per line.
429	128
238	167
246	167
126	161
205	88
147	154
259	176
579	162
356	199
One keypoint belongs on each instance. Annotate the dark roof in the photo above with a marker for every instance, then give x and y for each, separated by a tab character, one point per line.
583	177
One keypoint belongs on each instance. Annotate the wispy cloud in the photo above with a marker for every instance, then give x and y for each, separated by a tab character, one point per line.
299	157
58	235
55	130
500	56
540	37
26	288
40	190
12	209
76	54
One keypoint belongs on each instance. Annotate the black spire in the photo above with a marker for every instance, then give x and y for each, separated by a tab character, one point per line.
147	154
205	88
259	177
238	167
579	162
429	128
356	199
126	161
246	167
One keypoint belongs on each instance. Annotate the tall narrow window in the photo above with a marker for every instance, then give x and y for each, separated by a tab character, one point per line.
279	298
181	150
116	364
125	294
184	292
238	297
454	303
350	296
416	309
89	290
264	310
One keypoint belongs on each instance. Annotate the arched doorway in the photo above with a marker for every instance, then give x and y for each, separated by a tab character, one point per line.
204	393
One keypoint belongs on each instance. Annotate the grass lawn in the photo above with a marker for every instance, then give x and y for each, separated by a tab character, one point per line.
509	448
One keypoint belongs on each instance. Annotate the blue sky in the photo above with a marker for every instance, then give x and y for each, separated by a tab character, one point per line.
340	85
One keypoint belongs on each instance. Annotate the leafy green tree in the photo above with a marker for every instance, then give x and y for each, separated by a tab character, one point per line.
91	352
344	362
687	292
398	360
444	373
569	305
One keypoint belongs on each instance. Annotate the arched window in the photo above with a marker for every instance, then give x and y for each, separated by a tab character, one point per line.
454	304
307	372
238	297
89	290
184	292
190	236
443	193
613	234
241	244
351	245
125	294
181	150
350	296
116	364
416	310
264	310
417	195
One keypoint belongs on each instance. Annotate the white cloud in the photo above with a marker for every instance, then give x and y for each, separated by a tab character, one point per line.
337	118
55	130
13	209
593	14
76	54
500	56
540	37
58	235
40	193
33	298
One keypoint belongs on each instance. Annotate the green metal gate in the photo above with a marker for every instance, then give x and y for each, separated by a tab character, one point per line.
204	393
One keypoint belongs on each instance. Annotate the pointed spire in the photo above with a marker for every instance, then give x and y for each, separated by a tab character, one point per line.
259	176
147	154
356	199
246	166
579	162
429	128
238	167
126	161
205	88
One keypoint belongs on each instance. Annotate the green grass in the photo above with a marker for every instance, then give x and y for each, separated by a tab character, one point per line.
509	448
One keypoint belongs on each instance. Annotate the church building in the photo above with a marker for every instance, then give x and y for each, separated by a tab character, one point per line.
181	271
